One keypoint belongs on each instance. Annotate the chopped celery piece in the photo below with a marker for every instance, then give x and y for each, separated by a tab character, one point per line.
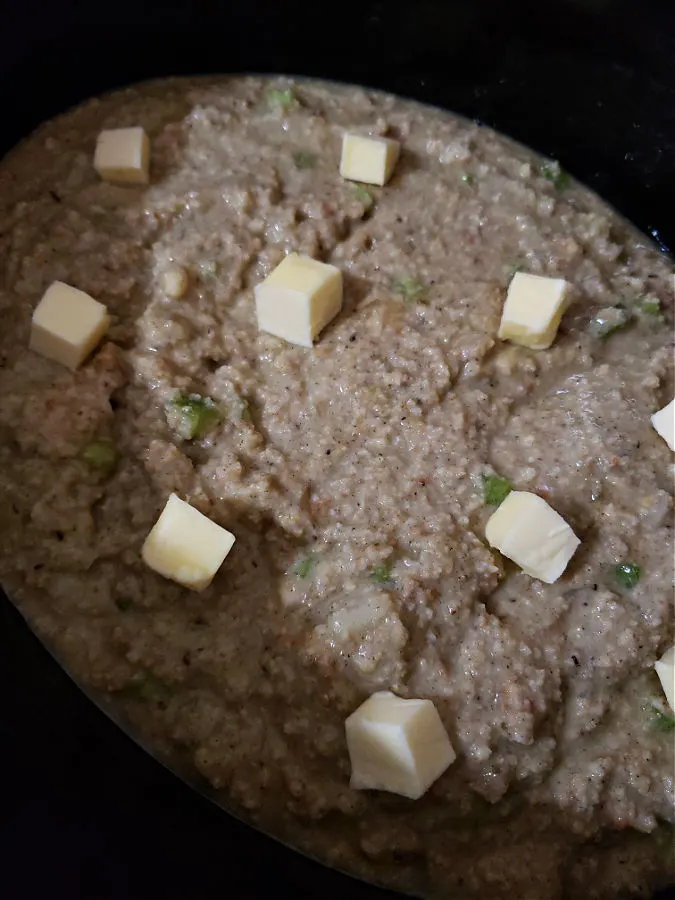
651	306
513	269
101	456
495	489
382	575
207	268
552	172
363	195
245	411
663	721
303	159
412	290
147	686
280	99
627	575
606	321
303	567
191	415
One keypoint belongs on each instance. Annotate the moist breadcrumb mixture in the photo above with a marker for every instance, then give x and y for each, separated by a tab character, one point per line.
357	477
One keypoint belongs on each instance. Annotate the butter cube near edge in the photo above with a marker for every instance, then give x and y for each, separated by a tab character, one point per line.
368	159
397	745
67	325
533	309
298	299
663	422
186	546
123	155
665	669
533	535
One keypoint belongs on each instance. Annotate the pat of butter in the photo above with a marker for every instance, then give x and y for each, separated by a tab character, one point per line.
664	422
397	745
67	324
532	534
665	669
298	299
368	159
533	309
123	154
186	546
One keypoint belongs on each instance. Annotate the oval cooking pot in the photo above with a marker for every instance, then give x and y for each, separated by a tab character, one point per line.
86	812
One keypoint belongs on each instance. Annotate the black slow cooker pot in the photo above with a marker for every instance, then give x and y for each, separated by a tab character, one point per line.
85	813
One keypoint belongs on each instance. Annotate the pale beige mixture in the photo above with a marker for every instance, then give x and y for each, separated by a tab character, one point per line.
352	477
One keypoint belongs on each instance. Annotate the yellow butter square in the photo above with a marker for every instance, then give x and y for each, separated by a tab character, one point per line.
533	309
298	299
397	745
186	546
123	155
67	324
368	159
532	534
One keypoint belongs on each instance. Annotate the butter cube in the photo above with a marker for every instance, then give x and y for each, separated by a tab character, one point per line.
368	159
664	422
532	534
533	309
298	299
67	325
665	669
397	745
186	546
123	155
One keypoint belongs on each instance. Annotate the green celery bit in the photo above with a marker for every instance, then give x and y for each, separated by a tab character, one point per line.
146	686
513	269
101	456
495	489
280	99
191	415
609	320
552	172
303	159
303	567
663	721
363	195
208	268
412	290
382	575
245	411
651	306
627	575
467	179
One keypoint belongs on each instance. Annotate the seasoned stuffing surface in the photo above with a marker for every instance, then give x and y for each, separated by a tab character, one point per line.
353	478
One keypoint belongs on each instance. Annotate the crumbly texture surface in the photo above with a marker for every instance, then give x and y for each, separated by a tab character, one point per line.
353	477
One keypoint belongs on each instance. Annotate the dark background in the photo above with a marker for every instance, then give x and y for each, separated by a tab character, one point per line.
84	812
